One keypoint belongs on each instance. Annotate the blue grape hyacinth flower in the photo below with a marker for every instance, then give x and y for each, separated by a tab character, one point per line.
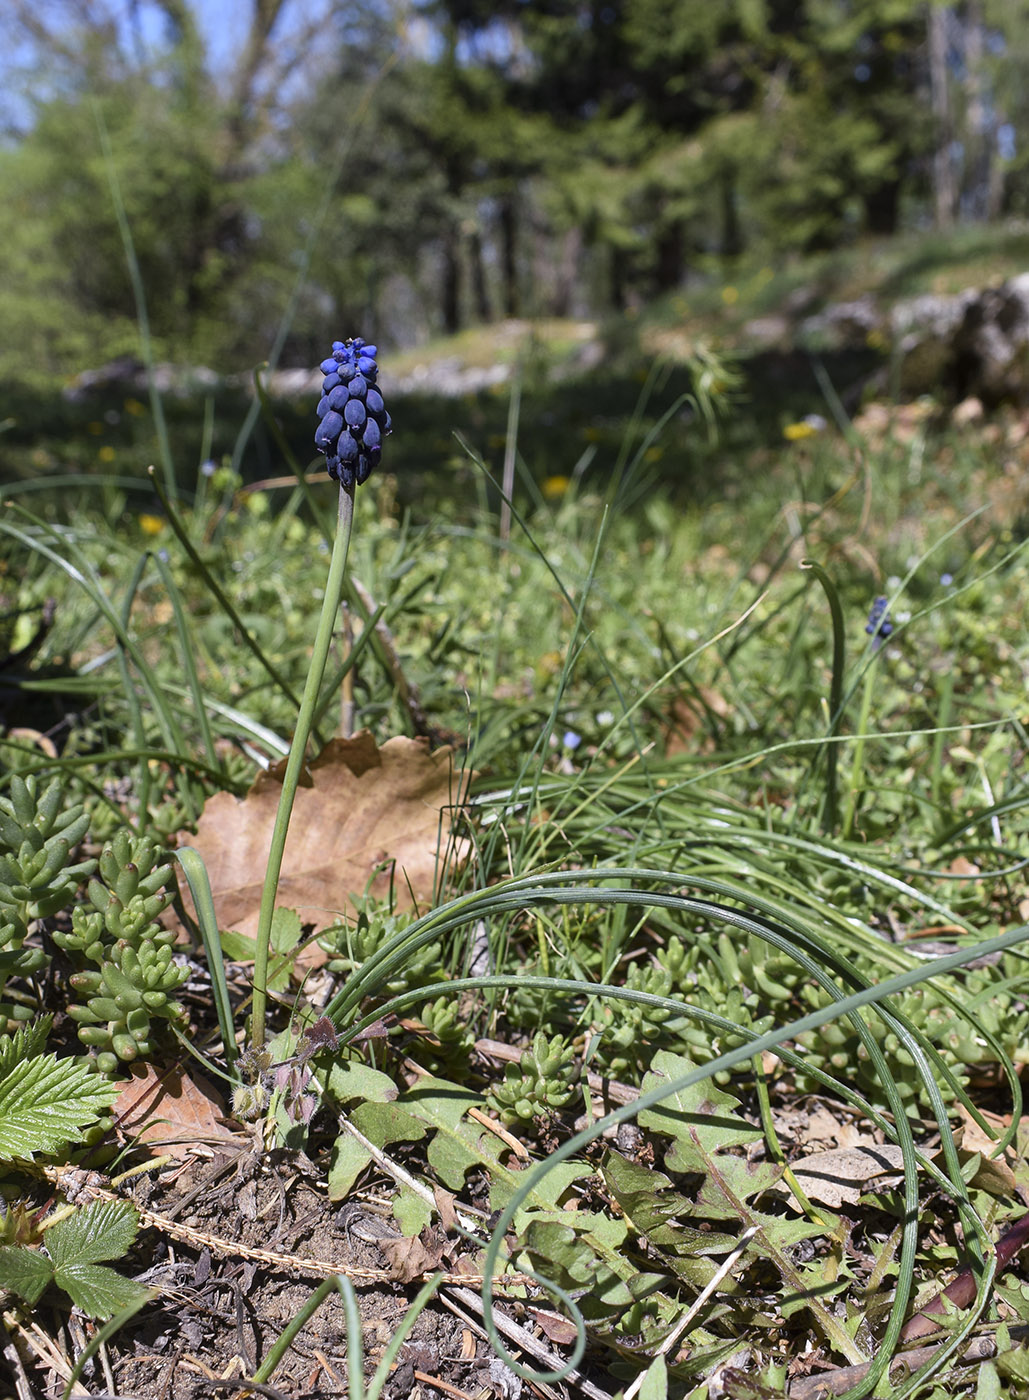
879	625
353	415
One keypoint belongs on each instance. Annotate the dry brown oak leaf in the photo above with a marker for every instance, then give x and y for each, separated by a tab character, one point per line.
171	1111
363	817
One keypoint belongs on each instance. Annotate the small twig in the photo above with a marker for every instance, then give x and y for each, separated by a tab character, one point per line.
523	1339
398	1173
9	1351
837	1382
961	1292
710	1287
407	691
438	1384
483	1119
291	1263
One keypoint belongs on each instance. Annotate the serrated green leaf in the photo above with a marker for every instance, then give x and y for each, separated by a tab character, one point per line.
100	1230
573	1263
26	1042
100	1292
25	1272
662	1216
587	1255
585	1249
45	1102
701	1120
458	1145
647	1200
461	1145
702	1123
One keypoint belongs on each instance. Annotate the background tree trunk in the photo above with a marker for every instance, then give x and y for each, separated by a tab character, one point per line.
508	220
944	188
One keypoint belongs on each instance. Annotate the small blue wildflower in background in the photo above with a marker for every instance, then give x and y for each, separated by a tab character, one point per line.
946	580
879	625
571	740
353	415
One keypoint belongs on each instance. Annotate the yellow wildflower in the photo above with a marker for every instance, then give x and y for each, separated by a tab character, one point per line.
807	427
797	432
151	524
554	487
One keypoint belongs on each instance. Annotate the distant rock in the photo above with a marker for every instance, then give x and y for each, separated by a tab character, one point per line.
923	331
767	331
451	378
121	373
844	322
974	344
992	345
128	375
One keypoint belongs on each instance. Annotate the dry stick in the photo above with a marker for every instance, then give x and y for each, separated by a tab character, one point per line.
458	1300
961	1292
201	1239
397	1172
837	1382
407	691
9	1351
445	1386
684	1322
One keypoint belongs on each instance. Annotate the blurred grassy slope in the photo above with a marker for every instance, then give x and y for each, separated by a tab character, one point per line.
580	383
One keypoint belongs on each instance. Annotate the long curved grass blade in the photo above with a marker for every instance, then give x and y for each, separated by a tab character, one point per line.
203	902
188	660
139	294
219	594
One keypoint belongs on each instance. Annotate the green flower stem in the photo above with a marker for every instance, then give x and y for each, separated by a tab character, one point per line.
835	692
857	767
291	779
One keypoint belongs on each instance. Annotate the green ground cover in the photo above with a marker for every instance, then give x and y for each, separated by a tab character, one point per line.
703	805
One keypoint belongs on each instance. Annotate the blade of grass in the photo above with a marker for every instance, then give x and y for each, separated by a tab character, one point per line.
139	294
195	871
219	594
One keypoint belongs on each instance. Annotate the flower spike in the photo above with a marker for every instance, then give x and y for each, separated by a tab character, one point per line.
353	415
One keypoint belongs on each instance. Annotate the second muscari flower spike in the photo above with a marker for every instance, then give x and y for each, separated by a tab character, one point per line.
879	625
353	415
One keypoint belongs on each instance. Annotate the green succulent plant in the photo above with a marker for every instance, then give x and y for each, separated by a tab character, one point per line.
353	946
542	1082
132	985
38	875
447	1023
